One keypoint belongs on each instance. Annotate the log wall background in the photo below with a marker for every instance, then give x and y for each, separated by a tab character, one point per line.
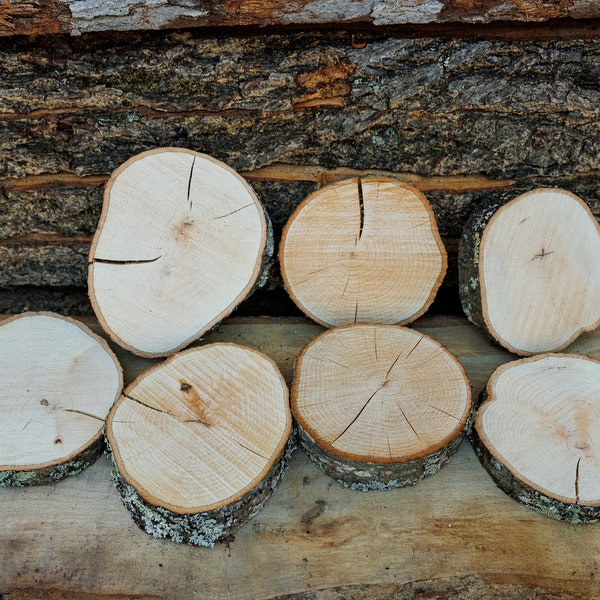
464	112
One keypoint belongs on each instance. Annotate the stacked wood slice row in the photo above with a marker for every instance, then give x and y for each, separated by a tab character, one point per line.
200	441
530	277
59	381
377	405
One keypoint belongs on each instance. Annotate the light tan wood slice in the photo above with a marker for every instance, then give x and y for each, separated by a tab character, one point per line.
363	250
531	270
379	406
538	434
200	442
181	241
59	381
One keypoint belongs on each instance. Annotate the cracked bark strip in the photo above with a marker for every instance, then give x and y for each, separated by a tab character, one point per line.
58	382
529	270
536	434
200	442
196	242
363	250
369	415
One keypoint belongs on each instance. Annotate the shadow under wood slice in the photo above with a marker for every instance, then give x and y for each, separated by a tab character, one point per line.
200	442
529	270
538	431
182	240
379	406
59	380
363	250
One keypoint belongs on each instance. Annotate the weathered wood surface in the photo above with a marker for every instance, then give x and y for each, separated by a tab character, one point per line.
461	119
31	17
454	534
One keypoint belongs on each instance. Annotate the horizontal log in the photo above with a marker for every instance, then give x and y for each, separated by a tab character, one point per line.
84	16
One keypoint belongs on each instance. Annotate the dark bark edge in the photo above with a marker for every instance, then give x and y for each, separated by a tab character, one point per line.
53	473
366	475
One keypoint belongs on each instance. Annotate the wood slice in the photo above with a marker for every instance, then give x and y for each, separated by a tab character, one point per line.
181	241
363	250
538	432
529	270
200	442
379	406
59	381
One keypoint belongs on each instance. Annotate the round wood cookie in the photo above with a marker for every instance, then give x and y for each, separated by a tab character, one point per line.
538	434
379	406
181	241
59	381
200	442
363	250
529	270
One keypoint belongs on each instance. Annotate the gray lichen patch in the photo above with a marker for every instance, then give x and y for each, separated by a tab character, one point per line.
53	473
523	493
367	475
200	528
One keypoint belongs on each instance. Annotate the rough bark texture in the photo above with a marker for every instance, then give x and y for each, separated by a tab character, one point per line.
364	475
461	119
526	495
204	528
84	16
53	473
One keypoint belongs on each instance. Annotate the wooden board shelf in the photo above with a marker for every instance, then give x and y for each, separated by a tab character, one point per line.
453	535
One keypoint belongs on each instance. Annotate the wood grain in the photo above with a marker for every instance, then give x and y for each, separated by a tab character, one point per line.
455	532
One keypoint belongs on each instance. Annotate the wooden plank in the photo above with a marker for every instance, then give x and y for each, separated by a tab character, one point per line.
84	16
454	533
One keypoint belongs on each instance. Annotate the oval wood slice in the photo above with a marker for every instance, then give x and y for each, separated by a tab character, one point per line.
200	442
529	270
538	434
181	241
363	250
59	381
379	406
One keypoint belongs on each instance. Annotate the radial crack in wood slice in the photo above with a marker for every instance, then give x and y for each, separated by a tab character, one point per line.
537	433
363	250
529	270
379	406
181	241
200	442
59	381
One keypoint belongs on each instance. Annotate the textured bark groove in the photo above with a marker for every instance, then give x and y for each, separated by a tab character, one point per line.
30	17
